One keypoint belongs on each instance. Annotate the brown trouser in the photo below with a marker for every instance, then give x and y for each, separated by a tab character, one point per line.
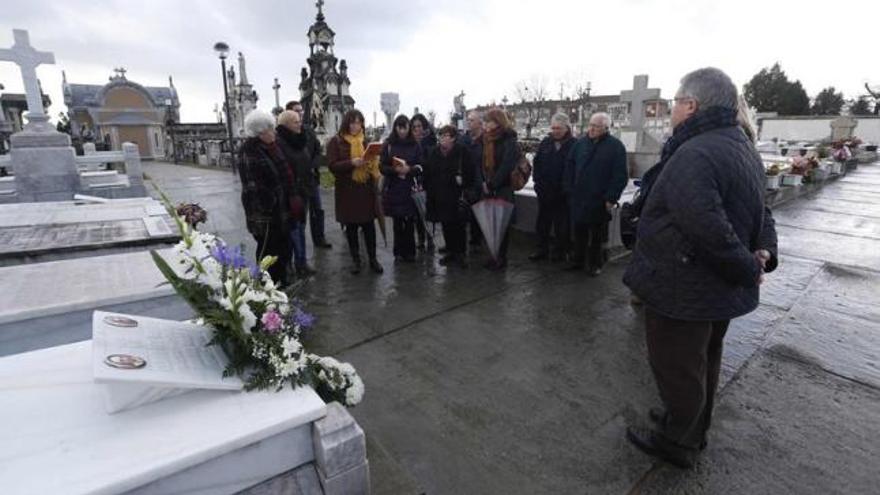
685	357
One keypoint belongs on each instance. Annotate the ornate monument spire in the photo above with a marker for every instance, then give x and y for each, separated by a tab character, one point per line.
242	75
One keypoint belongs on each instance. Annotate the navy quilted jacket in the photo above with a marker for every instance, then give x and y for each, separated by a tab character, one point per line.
702	221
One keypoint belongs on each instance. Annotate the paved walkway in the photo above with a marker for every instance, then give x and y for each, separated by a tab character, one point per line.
523	382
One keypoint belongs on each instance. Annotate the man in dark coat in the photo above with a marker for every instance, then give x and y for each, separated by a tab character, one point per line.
704	241
595	177
316	212
295	145
548	174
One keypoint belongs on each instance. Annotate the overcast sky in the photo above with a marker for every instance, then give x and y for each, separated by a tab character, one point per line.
428	51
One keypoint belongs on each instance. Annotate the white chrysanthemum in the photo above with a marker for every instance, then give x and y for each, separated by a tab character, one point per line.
291	346
355	392
248	318
346	369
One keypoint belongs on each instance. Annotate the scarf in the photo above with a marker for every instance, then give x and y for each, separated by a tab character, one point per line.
296	141
368	169
489	138
703	121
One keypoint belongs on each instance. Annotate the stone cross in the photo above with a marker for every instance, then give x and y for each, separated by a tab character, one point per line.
636	97
27	59
277	110
390	104
120	71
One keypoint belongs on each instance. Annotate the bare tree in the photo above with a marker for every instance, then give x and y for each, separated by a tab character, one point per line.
875	93
532	94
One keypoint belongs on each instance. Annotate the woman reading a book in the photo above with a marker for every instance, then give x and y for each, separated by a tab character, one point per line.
356	168
401	164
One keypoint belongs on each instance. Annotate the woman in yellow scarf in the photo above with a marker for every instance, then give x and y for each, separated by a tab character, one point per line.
357	182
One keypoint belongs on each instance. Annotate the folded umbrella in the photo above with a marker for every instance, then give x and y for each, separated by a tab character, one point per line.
380	212
493	216
420	198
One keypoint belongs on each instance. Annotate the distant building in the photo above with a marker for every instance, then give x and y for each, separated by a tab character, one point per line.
12	106
122	111
323	88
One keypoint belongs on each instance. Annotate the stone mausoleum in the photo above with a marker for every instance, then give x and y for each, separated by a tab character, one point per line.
121	111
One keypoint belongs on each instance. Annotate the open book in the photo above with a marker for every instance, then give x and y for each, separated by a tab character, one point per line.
373	150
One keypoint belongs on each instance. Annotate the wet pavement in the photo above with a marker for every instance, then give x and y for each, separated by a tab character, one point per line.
523	381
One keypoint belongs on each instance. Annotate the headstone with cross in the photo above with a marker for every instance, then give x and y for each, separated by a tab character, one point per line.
43	160
27	58
636	98
643	149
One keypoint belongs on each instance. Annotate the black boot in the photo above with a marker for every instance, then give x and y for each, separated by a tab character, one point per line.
655	445
375	266
356	266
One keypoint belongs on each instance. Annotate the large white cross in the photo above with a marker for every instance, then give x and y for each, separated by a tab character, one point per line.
27	58
636	97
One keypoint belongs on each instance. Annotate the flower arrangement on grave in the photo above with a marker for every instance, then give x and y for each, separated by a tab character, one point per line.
192	213
804	165
257	325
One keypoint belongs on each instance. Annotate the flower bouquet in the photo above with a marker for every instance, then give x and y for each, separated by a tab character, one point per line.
256	324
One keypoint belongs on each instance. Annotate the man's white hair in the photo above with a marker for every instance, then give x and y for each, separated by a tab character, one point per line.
258	121
602	118
288	116
561	119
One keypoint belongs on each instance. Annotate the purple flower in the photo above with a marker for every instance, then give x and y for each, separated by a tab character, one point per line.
256	273
229	257
302	319
271	321
220	253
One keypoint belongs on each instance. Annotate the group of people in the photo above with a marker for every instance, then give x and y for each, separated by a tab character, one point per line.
279	171
703	243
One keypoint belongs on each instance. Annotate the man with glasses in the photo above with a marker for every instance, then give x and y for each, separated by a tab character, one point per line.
316	213
595	176
705	240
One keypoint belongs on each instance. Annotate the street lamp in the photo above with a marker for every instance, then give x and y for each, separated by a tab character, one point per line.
222	50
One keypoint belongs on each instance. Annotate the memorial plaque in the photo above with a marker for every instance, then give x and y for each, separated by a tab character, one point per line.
170	358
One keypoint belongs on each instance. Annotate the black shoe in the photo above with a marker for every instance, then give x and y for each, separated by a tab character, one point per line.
657	415
448	259
653	444
575	266
375	266
495	266
323	244
442	250
538	256
356	267
595	271
304	271
554	257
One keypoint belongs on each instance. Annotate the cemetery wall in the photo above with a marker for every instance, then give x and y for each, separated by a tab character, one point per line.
815	128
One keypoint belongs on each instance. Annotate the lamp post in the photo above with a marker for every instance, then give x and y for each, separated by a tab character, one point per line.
222	50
